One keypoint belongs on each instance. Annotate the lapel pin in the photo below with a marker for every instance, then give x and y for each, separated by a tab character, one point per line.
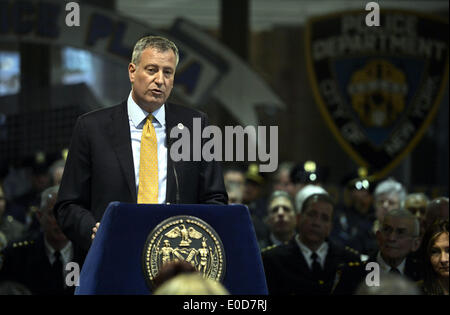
180	126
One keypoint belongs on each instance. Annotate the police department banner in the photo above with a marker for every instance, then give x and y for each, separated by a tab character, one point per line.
378	88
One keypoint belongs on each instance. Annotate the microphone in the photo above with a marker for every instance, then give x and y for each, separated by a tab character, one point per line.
177	195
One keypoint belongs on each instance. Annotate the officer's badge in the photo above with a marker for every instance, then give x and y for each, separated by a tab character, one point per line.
378	88
184	238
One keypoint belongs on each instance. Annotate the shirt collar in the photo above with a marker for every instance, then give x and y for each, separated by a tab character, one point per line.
386	268
51	251
138	115
321	251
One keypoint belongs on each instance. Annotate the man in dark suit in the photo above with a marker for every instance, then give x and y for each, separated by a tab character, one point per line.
398	238
39	264
307	264
104	159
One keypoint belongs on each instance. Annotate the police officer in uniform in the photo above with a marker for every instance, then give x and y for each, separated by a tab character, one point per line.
308	264
40	264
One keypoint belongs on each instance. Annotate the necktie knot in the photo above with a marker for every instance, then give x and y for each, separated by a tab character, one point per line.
314	256
394	270
57	256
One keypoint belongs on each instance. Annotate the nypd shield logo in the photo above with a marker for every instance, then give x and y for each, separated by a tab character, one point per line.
378	88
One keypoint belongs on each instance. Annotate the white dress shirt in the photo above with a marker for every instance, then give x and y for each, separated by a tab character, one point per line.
321	252
136	118
385	268
66	256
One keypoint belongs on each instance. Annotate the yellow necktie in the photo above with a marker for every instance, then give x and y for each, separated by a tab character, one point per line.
148	165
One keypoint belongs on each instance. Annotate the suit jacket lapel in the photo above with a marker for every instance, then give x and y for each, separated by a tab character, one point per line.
119	131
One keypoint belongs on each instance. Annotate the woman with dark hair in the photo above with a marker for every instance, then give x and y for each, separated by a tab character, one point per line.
435	257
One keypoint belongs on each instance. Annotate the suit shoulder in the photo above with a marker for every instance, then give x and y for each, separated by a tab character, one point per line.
23	245
277	251
268	248
19	250
183	110
101	112
346	254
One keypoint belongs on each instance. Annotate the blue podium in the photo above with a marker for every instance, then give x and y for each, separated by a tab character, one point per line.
114	261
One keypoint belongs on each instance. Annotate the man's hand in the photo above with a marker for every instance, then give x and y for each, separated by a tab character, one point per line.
95	229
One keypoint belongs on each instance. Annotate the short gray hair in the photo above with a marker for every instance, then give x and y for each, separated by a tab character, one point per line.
47	195
160	43
391	186
402	213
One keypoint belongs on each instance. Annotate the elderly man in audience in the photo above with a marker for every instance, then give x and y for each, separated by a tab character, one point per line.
398	237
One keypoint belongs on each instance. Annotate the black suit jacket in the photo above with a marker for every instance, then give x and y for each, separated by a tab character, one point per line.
287	272
354	275
99	169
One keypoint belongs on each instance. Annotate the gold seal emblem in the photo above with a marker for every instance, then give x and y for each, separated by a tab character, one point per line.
185	238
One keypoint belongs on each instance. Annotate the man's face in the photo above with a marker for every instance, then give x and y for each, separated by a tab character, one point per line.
396	238
385	203
234	184
361	200
417	205
152	78
439	255
251	191
281	216
315	222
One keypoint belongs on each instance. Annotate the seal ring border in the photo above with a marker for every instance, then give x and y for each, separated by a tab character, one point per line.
151	238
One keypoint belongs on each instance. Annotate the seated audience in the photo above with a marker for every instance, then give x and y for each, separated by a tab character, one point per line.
398	238
308	263
40	264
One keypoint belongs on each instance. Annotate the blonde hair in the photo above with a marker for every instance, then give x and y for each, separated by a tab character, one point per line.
191	284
